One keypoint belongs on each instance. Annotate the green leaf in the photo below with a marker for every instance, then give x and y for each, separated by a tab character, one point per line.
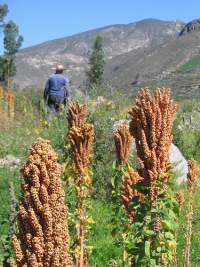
149	232
166	225
159	249
169	235
171	244
153	263
147	248
172	214
114	165
113	181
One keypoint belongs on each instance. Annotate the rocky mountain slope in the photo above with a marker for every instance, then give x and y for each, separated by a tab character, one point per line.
123	45
161	66
149	52
191	26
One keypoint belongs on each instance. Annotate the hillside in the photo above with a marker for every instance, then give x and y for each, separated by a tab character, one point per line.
124	46
149	52
161	66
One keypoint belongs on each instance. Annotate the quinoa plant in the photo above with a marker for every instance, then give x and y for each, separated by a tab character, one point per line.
81	136
123	142
6	104
43	234
147	196
192	174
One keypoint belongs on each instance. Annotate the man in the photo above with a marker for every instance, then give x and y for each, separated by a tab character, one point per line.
56	92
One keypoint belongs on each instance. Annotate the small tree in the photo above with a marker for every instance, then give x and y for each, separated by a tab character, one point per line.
3	13
12	43
96	63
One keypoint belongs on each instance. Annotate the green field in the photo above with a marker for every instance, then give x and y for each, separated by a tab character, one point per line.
16	138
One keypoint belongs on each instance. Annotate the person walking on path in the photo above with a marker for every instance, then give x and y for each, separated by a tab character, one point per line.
57	92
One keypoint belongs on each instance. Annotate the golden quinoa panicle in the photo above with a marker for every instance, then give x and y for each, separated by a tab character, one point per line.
81	140
43	231
77	114
123	143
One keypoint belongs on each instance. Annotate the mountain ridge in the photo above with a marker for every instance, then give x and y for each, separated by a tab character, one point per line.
94	30
136	53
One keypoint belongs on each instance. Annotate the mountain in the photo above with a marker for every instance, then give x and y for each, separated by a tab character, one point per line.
146	53
174	64
126	46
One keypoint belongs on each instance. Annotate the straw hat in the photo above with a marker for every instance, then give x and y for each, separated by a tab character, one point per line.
59	67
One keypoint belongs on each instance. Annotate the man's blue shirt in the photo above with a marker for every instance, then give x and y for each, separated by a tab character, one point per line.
57	85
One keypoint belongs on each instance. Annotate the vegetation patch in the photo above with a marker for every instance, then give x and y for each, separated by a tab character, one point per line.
191	64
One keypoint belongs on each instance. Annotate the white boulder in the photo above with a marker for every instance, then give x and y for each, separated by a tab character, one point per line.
179	164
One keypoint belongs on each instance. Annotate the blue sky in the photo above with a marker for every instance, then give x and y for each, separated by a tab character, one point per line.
43	20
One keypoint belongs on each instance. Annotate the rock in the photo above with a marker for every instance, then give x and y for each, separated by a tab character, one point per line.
100	100
191	26
9	161
179	164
